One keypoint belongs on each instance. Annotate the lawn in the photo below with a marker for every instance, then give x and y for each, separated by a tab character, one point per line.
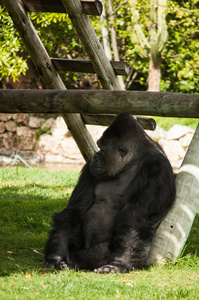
167	123
28	198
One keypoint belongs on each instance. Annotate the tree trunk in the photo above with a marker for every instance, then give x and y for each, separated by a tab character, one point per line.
105	35
154	75
114	40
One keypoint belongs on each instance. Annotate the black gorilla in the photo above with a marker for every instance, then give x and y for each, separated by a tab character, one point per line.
121	197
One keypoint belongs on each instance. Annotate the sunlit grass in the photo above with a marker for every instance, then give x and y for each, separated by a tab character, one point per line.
167	123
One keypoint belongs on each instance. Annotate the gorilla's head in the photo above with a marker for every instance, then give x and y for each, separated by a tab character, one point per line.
119	147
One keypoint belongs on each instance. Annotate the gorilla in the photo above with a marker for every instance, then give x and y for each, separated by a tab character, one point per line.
122	195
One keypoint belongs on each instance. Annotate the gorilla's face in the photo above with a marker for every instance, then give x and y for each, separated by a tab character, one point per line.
110	160
117	148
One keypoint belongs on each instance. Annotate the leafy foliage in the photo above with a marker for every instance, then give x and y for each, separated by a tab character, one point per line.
180	59
11	61
180	68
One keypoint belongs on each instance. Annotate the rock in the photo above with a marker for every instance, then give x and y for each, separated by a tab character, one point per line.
178	131
7	140
5	117
59	129
186	140
157	134
1	141
176	164
172	149
11	126
48	123
26	138
59	162
96	131
35	122
21	119
47	143
2	127
65	151
70	149
67	148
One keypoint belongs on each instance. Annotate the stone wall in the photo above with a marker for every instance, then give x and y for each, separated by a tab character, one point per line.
175	142
39	139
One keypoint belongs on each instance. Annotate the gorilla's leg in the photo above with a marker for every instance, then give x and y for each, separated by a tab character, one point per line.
66	234
56	249
129	252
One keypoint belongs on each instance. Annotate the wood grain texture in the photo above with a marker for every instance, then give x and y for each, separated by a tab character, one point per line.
85	66
100	102
174	230
92	45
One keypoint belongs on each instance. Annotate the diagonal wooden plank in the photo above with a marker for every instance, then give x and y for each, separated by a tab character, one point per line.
174	230
92	45
48	73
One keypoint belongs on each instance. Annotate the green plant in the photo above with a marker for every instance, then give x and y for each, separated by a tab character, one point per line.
157	35
41	130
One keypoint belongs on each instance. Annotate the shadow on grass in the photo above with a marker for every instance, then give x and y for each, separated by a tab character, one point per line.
25	219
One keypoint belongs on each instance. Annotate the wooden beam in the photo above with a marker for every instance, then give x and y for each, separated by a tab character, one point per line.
100	102
85	66
91	7
174	230
91	43
48	73
105	120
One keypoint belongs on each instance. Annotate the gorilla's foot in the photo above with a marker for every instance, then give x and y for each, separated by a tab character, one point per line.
107	269
114	267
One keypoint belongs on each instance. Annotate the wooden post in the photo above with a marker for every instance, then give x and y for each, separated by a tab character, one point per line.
90	41
48	73
173	232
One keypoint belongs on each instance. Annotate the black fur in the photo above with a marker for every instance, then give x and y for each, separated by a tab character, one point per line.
121	197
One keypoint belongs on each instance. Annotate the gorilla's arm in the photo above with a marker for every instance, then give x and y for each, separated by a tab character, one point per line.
151	194
67	225
83	194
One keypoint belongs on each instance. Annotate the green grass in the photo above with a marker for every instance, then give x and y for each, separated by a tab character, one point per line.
167	123
28	198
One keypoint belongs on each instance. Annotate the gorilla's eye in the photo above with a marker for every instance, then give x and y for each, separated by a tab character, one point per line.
123	151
